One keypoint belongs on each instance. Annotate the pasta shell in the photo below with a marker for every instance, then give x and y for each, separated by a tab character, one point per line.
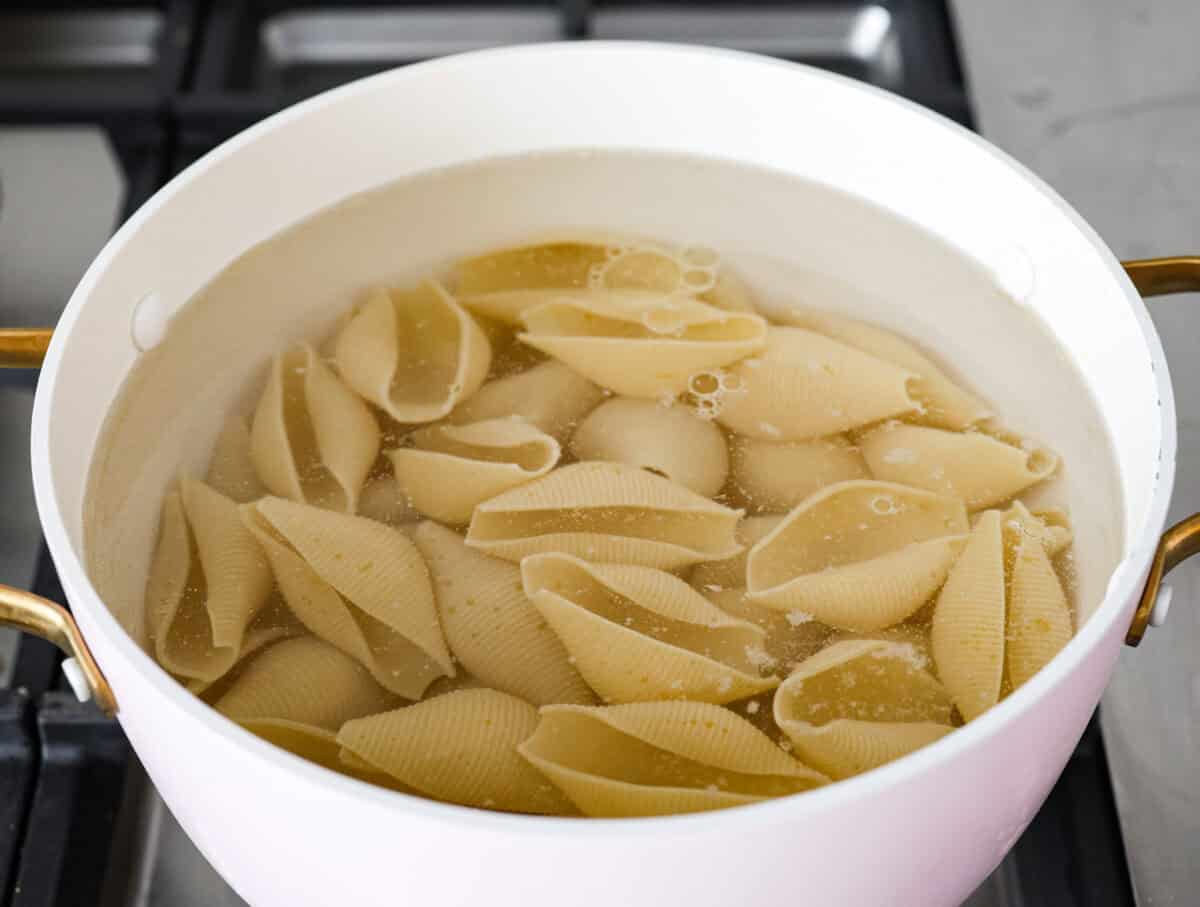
273	622
639	634
606	512
1039	618
981	470
1051	527
713	576
943	403
231	468
668	440
895	708
967	635
359	585
207	581
492	628
413	353
460	747
805	386
859	555
791	636
449	469
660	758
549	396
775	476
312	440
641	344
304	680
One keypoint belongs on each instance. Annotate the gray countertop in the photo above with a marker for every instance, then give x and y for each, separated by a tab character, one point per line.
1102	99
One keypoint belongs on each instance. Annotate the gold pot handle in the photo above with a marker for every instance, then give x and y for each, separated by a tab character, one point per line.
42	617
1158	277
23	347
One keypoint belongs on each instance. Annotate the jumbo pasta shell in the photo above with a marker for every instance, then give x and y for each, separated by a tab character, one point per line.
639	634
231	469
860	555
1039	617
414	353
491	626
1049	526
775	476
641	344
312	439
659	758
359	585
450	469
805	386
605	512
549	396
460	747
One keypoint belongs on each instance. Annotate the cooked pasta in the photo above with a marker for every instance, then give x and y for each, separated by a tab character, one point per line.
657	758
312	439
451	468
601	531
670	441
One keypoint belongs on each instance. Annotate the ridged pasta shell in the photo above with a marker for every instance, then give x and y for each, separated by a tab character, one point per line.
1051	526
273	622
981	470
641	344
805	386
775	476
460	747
231	468
305	680
1039	618
413	353
359	585
967	633
312	439
660	758
492	628
713	576
668	440
639	634
451	468
895	706
549	396
207	581
605	512
943	403
791	636
860	555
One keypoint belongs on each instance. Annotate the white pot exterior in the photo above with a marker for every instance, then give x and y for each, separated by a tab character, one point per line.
925	830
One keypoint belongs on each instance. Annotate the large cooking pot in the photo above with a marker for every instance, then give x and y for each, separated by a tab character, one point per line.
739	152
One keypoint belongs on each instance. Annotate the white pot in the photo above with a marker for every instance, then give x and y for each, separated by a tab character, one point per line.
799	161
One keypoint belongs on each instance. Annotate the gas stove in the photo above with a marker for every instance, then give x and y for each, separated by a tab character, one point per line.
100	104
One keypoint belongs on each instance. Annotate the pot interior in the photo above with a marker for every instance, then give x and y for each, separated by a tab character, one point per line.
794	240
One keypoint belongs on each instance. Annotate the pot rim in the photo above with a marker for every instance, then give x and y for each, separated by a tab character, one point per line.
1121	593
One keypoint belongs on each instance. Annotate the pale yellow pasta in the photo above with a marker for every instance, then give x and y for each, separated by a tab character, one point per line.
859	555
360	585
312	439
460	747
638	634
860	703
943	403
1050	526
729	292
491	627
305	680
1039	618
805	386
713	576
791	636
382	499
451	468
207	581
668	440
413	353
659	758
641	344
967	633
975	467
549	396
605	512
775	476
273	622
231	468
